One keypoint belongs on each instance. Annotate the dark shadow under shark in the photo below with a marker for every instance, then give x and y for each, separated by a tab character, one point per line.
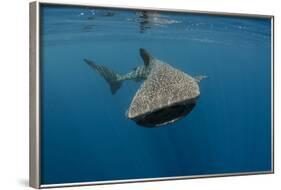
166	95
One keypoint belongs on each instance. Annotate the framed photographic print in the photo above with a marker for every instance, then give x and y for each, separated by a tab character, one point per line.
130	94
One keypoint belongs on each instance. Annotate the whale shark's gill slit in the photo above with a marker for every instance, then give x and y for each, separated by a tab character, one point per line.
165	115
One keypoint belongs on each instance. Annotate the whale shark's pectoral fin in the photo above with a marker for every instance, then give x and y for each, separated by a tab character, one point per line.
110	76
198	78
145	56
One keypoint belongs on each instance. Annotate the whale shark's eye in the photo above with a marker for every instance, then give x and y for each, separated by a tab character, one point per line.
165	115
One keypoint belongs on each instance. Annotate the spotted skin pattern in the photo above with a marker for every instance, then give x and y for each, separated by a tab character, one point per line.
163	87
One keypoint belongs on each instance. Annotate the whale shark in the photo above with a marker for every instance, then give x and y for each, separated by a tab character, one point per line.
165	96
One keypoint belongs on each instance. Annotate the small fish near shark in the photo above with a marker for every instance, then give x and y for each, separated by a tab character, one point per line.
166	95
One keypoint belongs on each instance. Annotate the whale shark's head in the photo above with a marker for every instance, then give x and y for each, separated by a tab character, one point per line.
166	96
165	115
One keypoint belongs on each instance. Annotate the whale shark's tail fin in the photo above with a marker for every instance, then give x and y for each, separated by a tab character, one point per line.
110	76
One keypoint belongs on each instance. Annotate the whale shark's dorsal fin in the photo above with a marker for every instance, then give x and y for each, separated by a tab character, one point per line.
145	56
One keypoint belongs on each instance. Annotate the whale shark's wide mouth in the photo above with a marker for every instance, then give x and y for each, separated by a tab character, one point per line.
165	115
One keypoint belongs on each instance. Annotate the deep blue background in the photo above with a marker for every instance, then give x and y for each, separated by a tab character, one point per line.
85	134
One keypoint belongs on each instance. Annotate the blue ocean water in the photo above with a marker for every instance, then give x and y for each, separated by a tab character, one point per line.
85	133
